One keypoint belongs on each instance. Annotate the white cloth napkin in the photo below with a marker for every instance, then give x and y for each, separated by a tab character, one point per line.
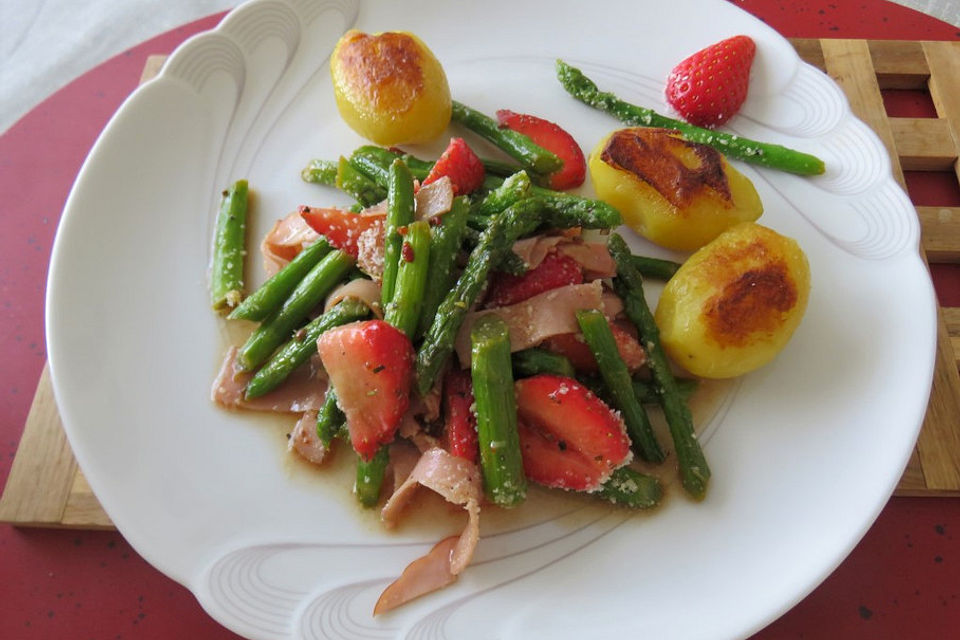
44	44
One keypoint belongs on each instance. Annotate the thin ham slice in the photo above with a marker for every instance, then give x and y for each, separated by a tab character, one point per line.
304	440
302	391
593	257
366	291
370	251
458	481
424	575
544	315
434	199
534	249
285	240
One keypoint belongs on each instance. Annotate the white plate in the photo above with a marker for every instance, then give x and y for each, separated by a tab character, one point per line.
804	456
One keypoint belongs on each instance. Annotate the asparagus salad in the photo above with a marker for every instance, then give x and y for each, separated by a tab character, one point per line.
465	327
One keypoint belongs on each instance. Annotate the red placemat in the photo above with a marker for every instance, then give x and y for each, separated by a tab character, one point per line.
901	581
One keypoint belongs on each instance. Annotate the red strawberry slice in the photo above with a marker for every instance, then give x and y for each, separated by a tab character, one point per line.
573	346
459	421
459	163
342	228
569	438
709	87
556	270
552	138
370	365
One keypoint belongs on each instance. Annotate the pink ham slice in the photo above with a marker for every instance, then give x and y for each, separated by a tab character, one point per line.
458	481
366	291
435	199
302	391
593	257
287	239
304	439
544	315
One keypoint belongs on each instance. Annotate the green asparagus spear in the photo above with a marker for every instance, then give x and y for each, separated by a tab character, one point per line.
645	391
531	362
513	189
503	479
564	210
761	153
320	172
330	419
655	267
614	371
632	489
303	345
357	184
516	145
694	472
271	294
403	311
370	477
495	241
444	247
399	214
307	295
226	274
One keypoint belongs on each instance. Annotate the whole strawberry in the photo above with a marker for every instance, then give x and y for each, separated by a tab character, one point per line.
708	88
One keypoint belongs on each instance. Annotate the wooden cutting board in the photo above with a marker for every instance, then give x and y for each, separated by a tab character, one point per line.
46	487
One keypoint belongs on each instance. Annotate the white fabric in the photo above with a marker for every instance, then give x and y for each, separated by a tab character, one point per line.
44	44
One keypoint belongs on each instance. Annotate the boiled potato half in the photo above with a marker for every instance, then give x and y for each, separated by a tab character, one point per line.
677	194
389	87
733	306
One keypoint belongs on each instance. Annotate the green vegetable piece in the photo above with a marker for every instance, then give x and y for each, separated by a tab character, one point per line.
694	472
494	243
500	459
352	181
403	311
330	419
513	189
370	477
303	345
764	154
399	214
631	488
531	362
655	267
226	273
646	392
564	210
516	145
309	293
444	248
320	172
614	371
271	294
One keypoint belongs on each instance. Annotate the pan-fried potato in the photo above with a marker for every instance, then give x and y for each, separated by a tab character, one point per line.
677	194
733	306
389	87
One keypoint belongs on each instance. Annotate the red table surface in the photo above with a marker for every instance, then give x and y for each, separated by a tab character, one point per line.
901	581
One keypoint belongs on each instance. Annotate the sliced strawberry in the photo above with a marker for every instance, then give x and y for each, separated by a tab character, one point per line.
370	365
341	228
569	438
556	270
459	421
709	87
552	138
573	346
461	165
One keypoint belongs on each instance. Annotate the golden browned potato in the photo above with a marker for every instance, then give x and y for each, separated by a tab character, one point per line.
677	194
389	87
733	306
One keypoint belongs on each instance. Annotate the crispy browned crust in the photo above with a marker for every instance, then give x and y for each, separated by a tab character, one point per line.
371	63
752	304
653	156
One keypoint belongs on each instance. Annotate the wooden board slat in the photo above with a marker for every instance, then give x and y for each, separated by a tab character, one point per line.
46	488
940	233
923	144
